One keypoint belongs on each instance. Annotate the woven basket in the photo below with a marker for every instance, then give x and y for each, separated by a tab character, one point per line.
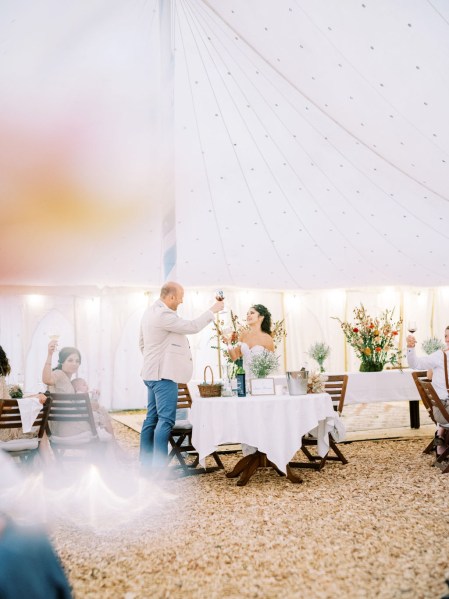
209	389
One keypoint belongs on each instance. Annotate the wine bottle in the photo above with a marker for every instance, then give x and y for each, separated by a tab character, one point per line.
240	376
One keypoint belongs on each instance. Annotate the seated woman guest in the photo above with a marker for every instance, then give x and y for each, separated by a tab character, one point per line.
252	341
59	380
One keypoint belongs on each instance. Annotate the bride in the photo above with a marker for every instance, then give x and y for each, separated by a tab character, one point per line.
252	341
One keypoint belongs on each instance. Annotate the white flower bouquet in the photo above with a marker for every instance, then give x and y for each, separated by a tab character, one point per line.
319	351
263	364
15	391
432	344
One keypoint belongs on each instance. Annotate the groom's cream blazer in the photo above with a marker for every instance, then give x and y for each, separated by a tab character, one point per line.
164	345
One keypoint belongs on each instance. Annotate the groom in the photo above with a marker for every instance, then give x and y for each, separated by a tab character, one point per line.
167	361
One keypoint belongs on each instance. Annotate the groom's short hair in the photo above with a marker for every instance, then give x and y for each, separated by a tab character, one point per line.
169	288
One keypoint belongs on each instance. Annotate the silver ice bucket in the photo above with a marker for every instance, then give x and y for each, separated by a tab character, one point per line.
297	382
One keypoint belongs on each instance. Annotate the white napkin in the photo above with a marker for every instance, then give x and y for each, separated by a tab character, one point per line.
29	408
339	429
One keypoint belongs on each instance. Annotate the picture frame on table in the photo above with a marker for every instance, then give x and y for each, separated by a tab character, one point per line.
261	386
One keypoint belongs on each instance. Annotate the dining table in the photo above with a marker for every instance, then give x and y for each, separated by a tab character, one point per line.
389	385
274	424
385	386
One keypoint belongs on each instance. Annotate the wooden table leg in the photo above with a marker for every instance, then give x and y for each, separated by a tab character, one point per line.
256	462
414	414
273	465
239	467
247	466
293	478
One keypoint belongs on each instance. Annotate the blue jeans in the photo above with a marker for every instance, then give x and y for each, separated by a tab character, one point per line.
160	418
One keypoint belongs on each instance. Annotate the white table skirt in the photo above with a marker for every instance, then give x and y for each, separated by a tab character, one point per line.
388	385
272	423
368	387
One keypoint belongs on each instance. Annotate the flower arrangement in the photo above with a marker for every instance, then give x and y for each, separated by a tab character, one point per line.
15	391
432	344
373	339
263	364
315	382
278	333
319	351
232	332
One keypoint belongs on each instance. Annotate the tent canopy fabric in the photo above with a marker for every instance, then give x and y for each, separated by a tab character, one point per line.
293	153
288	145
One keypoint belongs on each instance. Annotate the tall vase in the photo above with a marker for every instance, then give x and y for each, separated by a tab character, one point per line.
320	364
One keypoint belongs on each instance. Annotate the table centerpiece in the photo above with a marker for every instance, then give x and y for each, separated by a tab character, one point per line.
373	339
319	351
15	391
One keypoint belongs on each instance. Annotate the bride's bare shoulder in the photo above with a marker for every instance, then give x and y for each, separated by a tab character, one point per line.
268	341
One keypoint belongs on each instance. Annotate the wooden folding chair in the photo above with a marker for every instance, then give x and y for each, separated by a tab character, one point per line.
435	403
25	449
181	439
335	386
71	424
418	377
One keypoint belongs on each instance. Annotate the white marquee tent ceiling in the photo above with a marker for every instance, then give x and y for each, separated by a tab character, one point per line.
308	146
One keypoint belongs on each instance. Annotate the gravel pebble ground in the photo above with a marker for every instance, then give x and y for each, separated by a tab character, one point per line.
376	527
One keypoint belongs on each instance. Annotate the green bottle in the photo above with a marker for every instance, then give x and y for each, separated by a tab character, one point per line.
240	376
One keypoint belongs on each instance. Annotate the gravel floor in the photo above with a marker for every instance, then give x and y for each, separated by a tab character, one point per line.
373	528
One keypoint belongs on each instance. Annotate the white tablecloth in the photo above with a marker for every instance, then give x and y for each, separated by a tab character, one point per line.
272	423
388	385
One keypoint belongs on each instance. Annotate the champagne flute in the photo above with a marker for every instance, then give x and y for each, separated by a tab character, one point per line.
225	333
54	337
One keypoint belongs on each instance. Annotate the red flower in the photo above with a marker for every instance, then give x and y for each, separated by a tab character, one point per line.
371	326
356	330
395	332
378	349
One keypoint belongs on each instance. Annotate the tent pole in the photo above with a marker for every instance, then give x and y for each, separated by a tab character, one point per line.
432	312
401	317
166	138
345	354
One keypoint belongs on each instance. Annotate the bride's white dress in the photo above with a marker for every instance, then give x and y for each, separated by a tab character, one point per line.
247	354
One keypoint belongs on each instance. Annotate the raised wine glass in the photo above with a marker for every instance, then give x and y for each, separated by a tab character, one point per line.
226	332
219	296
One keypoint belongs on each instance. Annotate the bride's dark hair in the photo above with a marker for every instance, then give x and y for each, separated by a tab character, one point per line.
266	322
64	353
5	368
